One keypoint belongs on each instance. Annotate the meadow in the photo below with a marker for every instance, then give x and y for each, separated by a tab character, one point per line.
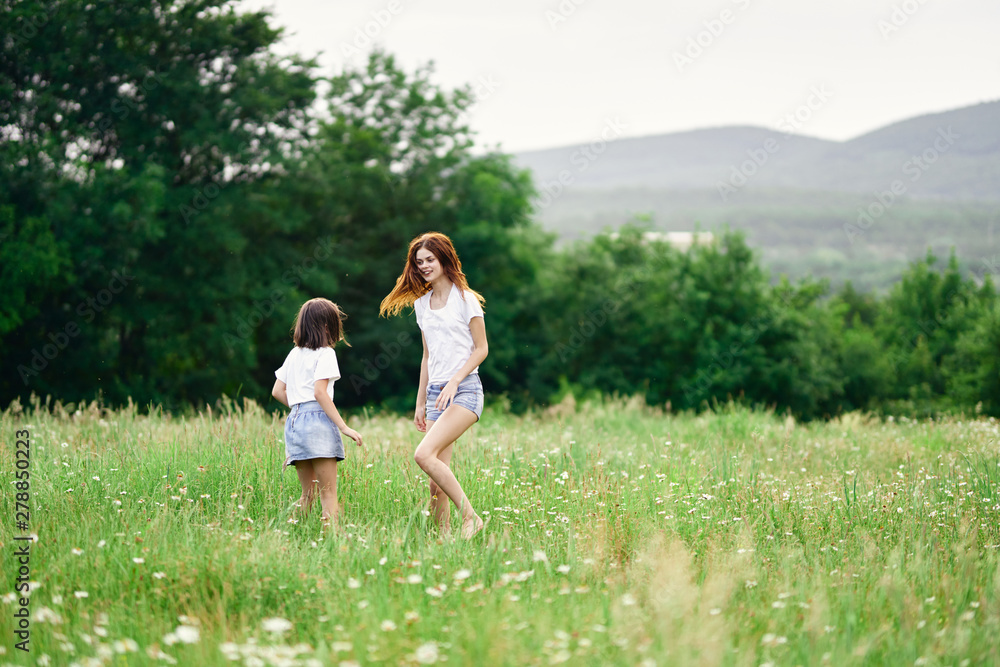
617	534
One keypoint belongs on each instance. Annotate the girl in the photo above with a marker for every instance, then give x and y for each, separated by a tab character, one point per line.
450	395
313	427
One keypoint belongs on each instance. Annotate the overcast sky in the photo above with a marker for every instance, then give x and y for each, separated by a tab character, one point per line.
560	71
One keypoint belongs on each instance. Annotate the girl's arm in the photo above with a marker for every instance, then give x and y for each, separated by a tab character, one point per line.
323	398
420	410
280	392
477	326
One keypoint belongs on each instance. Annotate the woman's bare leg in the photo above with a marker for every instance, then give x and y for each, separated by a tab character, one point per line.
453	422
439	500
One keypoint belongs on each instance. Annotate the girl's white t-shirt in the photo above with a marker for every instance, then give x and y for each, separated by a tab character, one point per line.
303	367
449	339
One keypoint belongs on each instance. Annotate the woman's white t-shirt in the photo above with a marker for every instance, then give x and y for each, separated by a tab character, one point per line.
303	367
449	339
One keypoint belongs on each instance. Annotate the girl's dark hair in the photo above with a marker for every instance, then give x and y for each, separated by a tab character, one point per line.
319	324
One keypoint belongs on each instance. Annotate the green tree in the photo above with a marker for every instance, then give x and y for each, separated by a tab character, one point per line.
135	153
919	324
973	370
629	315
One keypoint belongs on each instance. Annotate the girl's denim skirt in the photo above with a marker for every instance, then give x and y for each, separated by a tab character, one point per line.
309	434
469	395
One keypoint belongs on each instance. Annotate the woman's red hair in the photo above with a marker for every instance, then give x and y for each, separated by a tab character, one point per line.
410	285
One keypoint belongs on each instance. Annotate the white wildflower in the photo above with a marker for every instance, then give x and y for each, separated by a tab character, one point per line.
427	654
276	625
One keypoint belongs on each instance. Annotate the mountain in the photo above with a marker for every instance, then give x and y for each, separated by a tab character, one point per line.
797	198
964	145
683	160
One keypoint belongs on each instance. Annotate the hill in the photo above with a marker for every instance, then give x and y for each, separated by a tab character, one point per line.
959	151
682	160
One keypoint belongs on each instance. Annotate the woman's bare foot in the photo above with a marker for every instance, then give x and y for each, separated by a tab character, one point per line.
471	526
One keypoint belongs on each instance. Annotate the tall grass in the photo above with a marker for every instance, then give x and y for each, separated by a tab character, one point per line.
617	535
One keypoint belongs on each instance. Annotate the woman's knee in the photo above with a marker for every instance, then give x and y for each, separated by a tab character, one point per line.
422	458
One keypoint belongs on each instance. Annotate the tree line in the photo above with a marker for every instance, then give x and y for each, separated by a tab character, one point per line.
171	190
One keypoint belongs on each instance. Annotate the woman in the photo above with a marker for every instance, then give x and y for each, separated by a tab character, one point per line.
450	394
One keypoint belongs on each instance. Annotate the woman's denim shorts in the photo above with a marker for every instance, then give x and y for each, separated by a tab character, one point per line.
469	395
309	434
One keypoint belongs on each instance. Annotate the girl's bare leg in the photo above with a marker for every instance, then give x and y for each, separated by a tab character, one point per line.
307	478
446	430
326	474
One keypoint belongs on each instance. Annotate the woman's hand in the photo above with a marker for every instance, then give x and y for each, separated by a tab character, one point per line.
352	434
447	395
418	418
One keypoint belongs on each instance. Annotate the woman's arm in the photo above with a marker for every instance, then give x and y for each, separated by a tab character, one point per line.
420	409
480	349
323	398
280	392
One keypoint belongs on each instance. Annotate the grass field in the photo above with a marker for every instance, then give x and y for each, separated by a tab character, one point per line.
617	535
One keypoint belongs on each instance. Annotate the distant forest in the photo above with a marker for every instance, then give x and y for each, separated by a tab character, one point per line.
801	234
